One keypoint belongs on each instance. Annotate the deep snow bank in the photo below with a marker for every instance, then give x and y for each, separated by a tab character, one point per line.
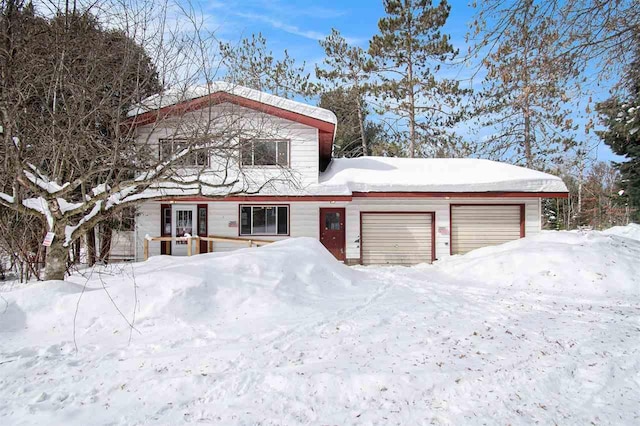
632	231
247	284
286	335
577	263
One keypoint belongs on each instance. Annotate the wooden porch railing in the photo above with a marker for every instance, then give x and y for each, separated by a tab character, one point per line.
210	239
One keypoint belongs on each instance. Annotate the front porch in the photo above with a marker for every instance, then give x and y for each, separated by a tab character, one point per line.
203	244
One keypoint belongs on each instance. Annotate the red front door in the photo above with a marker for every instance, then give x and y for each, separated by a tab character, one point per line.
332	231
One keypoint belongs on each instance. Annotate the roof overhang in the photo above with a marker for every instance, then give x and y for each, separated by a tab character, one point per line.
329	198
496	194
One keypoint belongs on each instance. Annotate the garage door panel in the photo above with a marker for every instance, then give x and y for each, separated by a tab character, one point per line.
384	245
390	228
392	260
480	236
400	251
396	238
475	226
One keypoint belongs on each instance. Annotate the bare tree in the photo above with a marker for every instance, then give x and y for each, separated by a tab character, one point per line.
526	91
20	248
596	34
81	138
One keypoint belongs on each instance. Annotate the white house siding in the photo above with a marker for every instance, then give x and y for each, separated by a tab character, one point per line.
147	223
305	216
438	205
304	169
304	221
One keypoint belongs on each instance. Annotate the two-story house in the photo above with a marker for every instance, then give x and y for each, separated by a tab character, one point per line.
272	176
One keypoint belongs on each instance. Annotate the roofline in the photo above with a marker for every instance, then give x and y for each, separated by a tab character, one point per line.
467	194
281	198
326	129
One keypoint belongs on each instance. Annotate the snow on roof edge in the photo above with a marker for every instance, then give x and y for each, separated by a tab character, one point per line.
176	96
387	174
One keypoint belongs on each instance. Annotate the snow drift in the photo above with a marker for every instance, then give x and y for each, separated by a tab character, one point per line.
630	231
247	284
541	330
574	263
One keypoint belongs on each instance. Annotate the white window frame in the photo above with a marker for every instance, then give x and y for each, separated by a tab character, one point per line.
253	154
251	207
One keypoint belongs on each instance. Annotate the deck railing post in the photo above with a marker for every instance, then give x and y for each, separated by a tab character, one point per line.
146	248
197	239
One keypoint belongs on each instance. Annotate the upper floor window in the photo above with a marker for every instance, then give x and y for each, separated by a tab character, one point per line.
171	147
265	152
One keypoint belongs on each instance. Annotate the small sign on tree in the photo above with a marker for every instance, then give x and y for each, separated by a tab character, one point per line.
48	239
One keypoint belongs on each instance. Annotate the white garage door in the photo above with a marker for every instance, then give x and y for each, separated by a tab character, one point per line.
473	227
396	238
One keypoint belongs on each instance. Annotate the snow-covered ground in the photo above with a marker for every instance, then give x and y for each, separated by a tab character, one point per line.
545	329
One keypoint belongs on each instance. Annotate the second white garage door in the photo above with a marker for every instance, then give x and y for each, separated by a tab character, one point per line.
396	238
475	226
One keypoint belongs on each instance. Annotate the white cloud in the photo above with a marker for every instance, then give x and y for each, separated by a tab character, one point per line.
278	24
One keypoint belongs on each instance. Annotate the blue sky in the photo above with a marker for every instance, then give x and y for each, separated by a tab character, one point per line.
297	25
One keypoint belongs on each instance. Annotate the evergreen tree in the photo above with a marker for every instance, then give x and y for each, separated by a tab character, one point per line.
251	64
524	100
621	116
409	52
346	72
351	111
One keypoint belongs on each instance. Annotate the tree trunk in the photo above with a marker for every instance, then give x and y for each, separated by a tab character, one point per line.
105	243
527	137
579	208
526	80
412	115
91	246
57	256
76	251
363	136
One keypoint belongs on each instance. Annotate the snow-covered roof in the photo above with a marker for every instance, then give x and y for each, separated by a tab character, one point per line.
384	174
175	96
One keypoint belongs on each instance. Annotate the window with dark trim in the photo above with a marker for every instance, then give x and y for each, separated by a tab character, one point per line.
171	147
264	220
264	152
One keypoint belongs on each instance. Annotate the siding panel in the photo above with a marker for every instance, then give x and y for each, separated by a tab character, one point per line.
304	220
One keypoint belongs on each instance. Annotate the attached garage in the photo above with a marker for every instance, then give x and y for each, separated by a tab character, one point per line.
397	238
480	225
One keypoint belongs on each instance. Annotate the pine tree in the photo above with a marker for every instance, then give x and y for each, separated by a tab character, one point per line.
351	111
621	116
409	52
251	64
347	71
527	87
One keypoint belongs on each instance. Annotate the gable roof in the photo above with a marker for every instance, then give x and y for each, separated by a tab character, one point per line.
180	101
434	175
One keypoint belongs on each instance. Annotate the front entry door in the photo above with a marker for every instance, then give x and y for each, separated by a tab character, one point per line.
184	218
332	231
